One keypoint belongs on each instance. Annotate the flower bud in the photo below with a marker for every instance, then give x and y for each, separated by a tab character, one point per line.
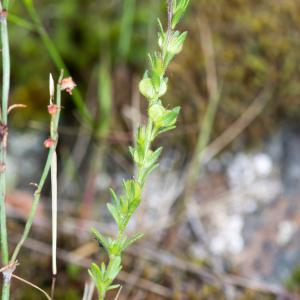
147	89
156	113
67	84
176	42
48	143
52	109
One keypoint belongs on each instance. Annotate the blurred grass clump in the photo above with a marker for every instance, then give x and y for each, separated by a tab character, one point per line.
257	46
83	33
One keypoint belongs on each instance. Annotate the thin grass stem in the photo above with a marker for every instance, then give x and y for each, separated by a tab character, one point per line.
54	211
3	141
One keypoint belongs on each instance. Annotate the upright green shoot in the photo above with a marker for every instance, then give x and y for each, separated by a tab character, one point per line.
153	86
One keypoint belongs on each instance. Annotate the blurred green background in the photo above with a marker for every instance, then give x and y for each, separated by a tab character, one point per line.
256	45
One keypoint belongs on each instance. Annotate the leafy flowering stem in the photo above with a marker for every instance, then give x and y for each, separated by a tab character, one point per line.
153	86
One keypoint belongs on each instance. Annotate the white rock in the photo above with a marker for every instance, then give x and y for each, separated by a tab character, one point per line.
286	231
263	164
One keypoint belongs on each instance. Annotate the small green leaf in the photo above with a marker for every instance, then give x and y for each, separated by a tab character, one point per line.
147	171
176	42
178	11
157	69
153	157
147	89
103	269
165	129
95	272
114	212
133	239
124	205
162	88
115	197
170	117
132	189
112	287
139	153
160	26
131	151
100	238
114	268
156	113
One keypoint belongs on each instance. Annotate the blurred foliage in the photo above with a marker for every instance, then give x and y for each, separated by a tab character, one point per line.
83	33
293	281
257	46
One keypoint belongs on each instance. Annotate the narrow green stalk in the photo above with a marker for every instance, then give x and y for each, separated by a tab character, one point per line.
205	123
126	28
5	291
153	86
203	139
3	141
103	123
16	20
104	94
37	196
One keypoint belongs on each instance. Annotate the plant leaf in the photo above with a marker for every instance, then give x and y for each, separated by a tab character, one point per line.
100	238
133	239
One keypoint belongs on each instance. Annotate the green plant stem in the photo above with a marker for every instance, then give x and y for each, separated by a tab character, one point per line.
3	146
203	139
126	28
153	86
5	291
105	98
12	18
4	107
37	196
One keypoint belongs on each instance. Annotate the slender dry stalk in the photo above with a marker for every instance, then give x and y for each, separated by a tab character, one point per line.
89	289
32	285
54	219
235	129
